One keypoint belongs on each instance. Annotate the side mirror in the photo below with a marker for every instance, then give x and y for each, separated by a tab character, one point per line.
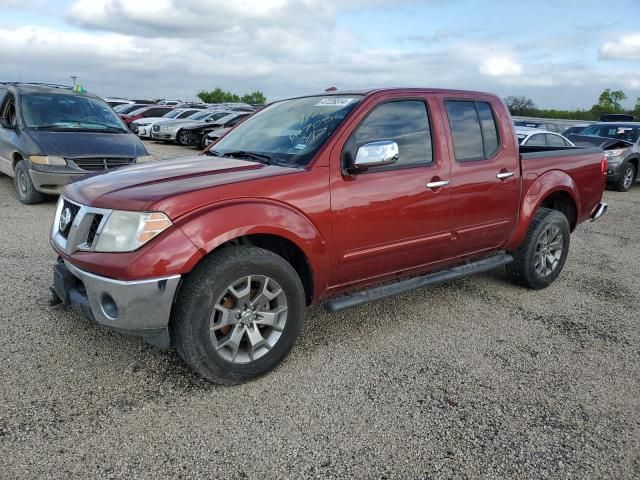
376	154
5	124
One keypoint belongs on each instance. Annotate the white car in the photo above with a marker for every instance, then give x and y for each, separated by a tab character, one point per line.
142	126
541	138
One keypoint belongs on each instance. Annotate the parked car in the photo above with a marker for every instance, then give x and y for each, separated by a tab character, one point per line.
212	137
192	105
618	117
548	126
315	199
171	103
536	137
196	135
575	129
145	112
172	131
142	126
114	102
52	135
621	142
126	108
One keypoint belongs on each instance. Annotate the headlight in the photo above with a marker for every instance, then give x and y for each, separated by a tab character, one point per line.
610	154
144	159
47	160
128	231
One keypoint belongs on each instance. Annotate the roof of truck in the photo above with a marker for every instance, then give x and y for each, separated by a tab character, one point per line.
369	91
44	88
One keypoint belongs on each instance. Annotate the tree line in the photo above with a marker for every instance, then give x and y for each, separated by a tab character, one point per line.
610	101
217	95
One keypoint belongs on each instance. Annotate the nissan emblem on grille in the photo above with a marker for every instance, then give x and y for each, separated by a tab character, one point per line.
65	219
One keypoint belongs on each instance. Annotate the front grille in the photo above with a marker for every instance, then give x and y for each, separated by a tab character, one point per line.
73	209
82	226
99	164
93	229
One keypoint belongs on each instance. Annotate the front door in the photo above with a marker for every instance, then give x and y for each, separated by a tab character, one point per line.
387	220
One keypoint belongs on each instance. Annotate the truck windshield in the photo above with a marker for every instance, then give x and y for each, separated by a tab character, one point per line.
630	133
289	132
57	111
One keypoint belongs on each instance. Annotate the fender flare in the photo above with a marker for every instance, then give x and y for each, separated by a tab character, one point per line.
213	225
539	190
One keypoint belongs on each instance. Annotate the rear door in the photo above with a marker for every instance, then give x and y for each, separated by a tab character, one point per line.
387	220
485	174
8	137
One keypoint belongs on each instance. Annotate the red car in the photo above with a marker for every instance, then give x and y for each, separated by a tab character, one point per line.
144	112
343	197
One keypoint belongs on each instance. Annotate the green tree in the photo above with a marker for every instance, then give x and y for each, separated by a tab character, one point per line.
610	101
520	105
256	98
217	95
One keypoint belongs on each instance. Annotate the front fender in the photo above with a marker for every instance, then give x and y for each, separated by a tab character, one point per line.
536	191
212	226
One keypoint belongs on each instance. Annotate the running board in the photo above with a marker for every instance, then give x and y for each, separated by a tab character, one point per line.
403	286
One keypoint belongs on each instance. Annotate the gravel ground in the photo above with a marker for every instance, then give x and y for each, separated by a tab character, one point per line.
475	378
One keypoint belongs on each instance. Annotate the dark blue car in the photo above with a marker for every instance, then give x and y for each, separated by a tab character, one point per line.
51	135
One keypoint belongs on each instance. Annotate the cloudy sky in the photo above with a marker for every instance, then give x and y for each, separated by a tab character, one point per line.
561	53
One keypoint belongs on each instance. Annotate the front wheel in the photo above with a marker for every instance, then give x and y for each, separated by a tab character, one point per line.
25	190
626	179
183	138
238	314
540	258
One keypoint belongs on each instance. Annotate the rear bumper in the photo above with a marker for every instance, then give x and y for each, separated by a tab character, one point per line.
140	308
53	182
599	211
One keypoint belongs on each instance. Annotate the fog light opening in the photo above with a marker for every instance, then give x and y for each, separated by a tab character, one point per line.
109	306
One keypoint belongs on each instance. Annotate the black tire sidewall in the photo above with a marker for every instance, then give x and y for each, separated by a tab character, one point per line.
31	196
535	280
197	306
626	167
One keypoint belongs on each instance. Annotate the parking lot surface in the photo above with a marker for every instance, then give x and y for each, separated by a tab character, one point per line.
475	378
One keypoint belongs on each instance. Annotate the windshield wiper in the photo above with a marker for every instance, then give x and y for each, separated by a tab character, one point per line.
266	159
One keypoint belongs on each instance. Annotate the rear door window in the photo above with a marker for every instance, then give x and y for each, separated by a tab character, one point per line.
473	129
555	140
537	140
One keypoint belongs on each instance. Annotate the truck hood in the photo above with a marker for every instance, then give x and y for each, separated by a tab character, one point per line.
88	144
163	185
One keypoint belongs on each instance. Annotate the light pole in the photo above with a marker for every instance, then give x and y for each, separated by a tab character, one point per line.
73	78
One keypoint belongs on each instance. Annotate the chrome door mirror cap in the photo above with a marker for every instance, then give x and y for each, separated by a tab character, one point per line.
376	154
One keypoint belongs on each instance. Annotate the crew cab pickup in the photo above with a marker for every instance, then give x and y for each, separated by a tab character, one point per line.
343	197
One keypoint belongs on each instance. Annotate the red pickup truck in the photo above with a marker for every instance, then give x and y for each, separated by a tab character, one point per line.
343	197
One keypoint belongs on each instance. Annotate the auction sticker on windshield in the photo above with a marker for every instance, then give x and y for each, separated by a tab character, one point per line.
334	102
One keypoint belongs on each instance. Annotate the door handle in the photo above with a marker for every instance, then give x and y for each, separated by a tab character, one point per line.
503	175
438	184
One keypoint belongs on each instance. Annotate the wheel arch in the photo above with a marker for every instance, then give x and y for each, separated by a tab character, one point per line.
288	233
555	190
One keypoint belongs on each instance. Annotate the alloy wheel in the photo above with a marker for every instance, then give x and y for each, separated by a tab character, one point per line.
628	177
248	319
548	251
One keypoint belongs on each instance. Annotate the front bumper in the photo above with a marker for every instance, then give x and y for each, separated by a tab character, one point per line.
171	135
140	308
614	171
53	182
144	131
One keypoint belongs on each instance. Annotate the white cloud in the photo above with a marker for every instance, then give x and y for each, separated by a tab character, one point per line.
625	48
498	66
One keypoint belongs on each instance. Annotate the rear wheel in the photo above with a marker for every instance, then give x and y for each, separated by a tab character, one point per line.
627	178
25	190
540	258
238	314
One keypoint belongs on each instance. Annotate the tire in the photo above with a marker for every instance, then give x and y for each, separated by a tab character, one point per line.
203	335
627	178
532	269
180	141
25	190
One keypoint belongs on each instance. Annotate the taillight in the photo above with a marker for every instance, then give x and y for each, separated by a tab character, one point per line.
603	164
